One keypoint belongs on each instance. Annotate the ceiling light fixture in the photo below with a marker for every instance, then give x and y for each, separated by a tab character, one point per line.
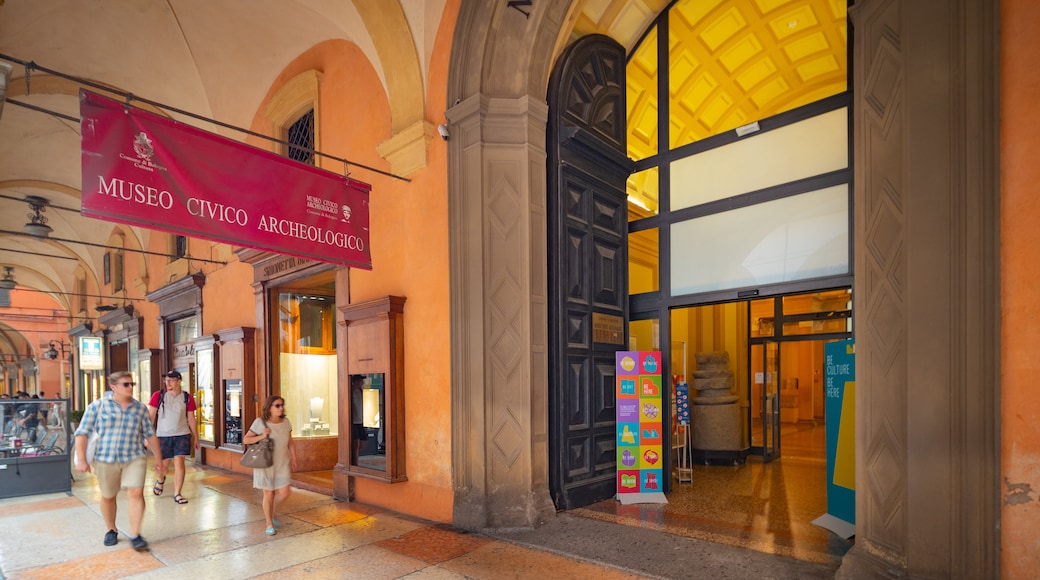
37	225
5	75
7	281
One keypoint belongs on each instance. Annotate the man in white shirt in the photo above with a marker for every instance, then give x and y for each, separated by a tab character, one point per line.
173	413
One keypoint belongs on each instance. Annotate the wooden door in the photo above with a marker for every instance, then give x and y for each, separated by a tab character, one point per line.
588	266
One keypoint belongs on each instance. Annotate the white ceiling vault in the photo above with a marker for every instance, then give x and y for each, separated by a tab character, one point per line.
214	58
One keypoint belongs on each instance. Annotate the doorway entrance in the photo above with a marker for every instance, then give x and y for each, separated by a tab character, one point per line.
765	494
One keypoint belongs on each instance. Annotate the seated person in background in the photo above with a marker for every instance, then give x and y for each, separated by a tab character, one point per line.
28	416
6	412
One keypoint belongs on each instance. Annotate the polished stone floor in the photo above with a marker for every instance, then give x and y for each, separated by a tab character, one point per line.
729	522
767	507
220	534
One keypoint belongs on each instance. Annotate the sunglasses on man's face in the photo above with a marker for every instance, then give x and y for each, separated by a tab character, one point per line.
127	384
279	405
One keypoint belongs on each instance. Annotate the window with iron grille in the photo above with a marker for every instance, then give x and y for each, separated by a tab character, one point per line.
300	135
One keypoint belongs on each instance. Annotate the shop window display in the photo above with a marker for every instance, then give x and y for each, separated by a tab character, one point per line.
204	395
308	371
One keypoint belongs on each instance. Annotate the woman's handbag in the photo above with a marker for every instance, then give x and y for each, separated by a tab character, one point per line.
259	455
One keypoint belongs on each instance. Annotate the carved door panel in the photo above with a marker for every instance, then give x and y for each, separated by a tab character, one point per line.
588	267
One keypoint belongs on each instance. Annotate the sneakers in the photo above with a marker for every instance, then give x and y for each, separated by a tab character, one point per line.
270	531
139	543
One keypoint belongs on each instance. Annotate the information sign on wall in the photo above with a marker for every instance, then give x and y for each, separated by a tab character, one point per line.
90	354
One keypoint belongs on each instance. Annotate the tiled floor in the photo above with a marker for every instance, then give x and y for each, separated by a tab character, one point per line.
220	534
768	507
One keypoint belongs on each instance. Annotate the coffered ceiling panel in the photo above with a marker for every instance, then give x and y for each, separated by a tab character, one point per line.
733	62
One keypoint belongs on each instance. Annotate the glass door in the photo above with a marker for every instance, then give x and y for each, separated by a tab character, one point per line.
765	396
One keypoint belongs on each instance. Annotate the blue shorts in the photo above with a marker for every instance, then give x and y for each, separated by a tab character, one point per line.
178	445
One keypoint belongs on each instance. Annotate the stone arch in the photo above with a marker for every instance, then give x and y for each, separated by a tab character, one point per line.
498	78
45	84
399	57
941	125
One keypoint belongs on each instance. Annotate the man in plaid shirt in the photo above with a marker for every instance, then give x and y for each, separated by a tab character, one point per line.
123	427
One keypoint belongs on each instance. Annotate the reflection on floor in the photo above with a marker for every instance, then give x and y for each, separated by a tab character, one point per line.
765	507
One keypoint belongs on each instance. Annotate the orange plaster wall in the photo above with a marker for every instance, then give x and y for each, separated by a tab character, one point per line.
409	244
227	298
39	319
416	231
139	278
1020	276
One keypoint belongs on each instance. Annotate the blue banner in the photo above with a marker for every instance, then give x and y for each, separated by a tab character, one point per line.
840	404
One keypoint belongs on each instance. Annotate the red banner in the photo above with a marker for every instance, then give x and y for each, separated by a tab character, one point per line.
143	169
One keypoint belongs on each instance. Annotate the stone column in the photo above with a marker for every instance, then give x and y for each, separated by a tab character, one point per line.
925	292
499	408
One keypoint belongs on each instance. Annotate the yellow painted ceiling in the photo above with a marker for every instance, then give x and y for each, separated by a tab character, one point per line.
732	62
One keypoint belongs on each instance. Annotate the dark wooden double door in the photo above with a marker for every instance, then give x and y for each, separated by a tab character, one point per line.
588	267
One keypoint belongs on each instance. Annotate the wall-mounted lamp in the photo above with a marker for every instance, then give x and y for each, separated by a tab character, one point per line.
52	352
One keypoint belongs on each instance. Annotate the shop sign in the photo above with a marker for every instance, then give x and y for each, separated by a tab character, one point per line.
143	169
90	354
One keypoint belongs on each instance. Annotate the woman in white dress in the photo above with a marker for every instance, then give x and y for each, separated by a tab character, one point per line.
273	481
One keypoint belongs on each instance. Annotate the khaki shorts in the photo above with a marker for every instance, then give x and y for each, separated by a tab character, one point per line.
112	477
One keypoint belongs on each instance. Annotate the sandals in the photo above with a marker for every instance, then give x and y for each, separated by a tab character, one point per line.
157	489
180	499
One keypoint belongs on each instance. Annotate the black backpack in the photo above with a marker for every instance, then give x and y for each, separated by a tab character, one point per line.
162	399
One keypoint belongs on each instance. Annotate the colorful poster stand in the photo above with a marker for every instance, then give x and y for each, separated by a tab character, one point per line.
640	416
840	404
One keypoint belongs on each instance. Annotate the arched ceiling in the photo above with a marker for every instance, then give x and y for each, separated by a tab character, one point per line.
219	59
216	59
